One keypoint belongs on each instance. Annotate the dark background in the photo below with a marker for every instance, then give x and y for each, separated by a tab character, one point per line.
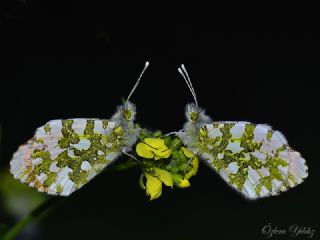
79	61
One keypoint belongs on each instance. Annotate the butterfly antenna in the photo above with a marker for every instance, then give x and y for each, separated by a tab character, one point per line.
187	82
137	83
186	77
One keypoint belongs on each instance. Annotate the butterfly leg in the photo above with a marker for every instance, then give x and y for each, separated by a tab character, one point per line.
133	157
188	163
171	133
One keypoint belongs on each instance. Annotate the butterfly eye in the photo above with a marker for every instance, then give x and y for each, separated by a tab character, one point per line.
193	116
127	114
203	131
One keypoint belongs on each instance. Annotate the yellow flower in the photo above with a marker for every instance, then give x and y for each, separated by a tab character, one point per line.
155	177
153	148
153	186
174	172
180	182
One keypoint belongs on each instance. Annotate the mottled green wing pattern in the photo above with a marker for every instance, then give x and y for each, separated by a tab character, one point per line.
66	154
253	159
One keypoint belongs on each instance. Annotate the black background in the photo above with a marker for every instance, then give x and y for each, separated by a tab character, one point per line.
78	61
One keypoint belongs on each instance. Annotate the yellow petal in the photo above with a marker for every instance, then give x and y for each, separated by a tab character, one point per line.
162	154
180	182
143	151
164	176
184	183
168	153
195	165
186	152
157	146
156	143
153	186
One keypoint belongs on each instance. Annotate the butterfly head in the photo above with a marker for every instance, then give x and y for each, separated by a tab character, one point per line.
124	118
192	112
128	111
125	113
196	118
196	115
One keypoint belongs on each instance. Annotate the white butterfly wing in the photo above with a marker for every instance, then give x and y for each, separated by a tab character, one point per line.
253	159
66	154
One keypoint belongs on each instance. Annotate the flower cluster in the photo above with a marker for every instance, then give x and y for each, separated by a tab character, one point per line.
165	161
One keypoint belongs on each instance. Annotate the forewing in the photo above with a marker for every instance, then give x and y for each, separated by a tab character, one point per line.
66	154
253	159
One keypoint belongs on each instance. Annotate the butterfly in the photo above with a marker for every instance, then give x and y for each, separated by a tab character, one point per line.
64	155
253	159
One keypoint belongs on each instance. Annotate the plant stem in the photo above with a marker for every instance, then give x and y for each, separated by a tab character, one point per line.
40	210
122	166
53	202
